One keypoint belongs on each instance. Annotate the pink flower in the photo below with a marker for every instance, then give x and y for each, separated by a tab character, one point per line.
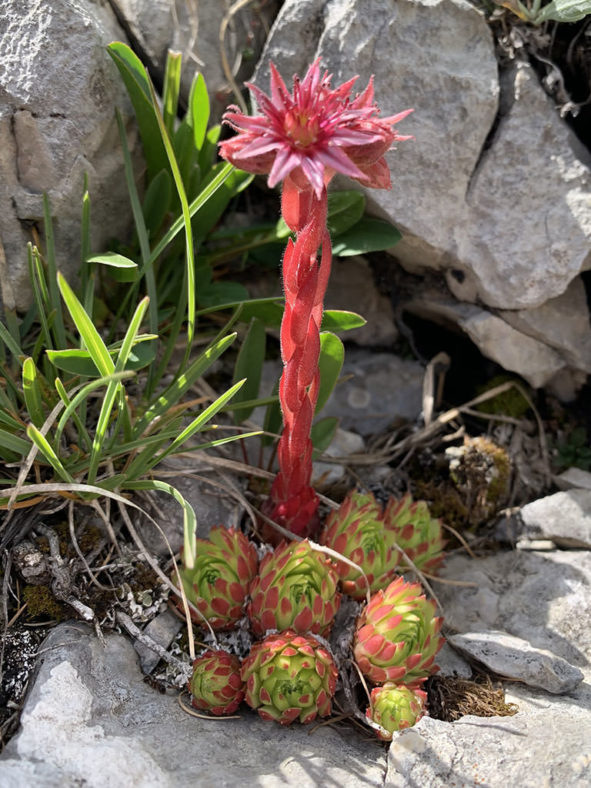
313	133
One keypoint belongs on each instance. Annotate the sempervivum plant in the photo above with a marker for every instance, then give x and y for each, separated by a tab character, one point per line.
356	531
216	685
296	588
395	707
289	677
218	583
408	524
397	635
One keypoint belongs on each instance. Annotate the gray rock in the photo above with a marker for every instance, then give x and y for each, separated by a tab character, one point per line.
547	747
546	188
543	598
561	323
377	390
451	663
531	358
352	287
344	443
162	630
515	658
573	477
90	719
564	517
58	91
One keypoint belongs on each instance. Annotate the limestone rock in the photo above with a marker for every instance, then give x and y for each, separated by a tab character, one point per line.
564	517
541	597
58	92
548	746
377	390
515	658
90	719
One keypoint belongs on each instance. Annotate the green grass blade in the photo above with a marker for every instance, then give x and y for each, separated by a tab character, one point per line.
11	344
14	444
92	339
32	393
114	388
87	273
189	251
56	304
178	387
83	436
47	451
198	423
172	85
197	203
40	294
82	395
189	518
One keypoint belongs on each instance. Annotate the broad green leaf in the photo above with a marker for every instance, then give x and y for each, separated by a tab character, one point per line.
32	393
135	77
79	362
563	11
198	112
157	201
222	292
113	259
323	432
341	320
368	235
185	152
344	210
172	85
269	310
330	363
209	149
249	366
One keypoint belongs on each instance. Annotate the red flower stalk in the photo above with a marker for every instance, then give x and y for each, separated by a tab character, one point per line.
302	139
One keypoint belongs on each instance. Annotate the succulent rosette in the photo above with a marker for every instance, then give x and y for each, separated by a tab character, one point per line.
218	583
397	635
289	677
356	531
408	524
395	707
216	685
296	588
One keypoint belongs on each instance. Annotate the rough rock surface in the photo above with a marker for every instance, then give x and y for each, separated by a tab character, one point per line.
378	390
465	211
58	91
549	746
541	597
514	658
564	518
90	719
544	598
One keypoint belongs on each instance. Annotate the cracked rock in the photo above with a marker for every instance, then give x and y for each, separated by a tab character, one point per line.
515	658
58	92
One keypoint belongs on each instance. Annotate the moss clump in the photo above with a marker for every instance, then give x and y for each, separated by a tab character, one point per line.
42	604
509	403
